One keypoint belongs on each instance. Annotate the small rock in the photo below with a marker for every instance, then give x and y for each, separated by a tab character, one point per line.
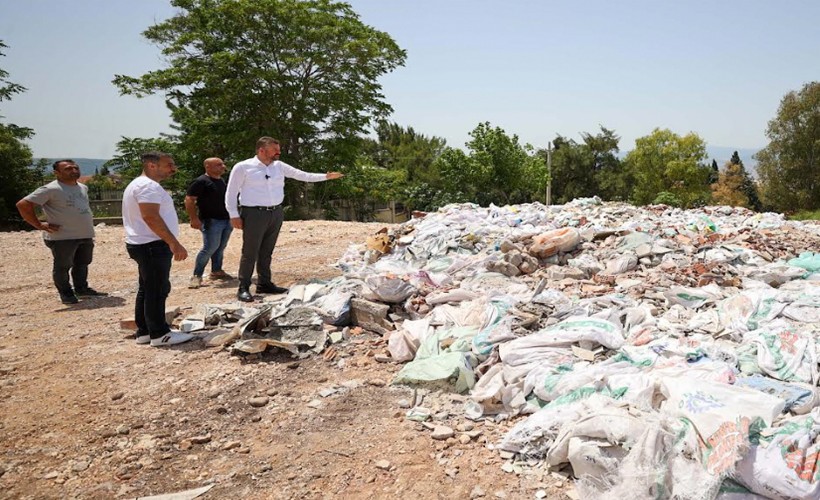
477	492
107	433
382	358
452	472
376	382
80	466
507	467
185	444
370	479
52	475
328	391
506	455
117	395
500	494
464	439
383	465
256	418
123	429
315	404
259	401
231	445
293	365
442	432
540	494
214	393
201	439
404	403
465	427
272	392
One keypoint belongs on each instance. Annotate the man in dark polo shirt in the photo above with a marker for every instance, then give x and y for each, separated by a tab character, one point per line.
205	204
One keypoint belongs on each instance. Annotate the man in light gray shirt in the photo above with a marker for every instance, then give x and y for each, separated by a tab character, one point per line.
258	184
68	231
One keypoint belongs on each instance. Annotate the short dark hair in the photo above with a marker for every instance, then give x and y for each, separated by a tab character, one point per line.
57	163
265	141
153	157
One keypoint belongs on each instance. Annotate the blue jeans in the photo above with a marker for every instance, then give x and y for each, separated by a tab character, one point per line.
154	265
215	236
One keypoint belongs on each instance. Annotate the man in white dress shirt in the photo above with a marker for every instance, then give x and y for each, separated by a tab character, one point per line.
256	190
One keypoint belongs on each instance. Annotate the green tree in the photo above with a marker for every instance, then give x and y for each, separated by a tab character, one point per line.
303	71
126	162
788	165
728	189
666	162
510	167
589	168
747	185
404	149
20	177
462	177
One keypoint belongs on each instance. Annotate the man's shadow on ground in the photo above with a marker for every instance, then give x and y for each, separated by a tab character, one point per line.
93	303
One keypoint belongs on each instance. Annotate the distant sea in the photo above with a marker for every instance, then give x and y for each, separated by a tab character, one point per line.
88	166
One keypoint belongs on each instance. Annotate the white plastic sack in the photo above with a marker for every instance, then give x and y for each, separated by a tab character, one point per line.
709	405
405	341
390	290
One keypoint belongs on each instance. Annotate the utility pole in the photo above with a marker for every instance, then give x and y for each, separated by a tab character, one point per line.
549	173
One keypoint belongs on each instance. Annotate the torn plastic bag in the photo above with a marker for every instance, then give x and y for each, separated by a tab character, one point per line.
405	341
390	290
450	371
786	353
709	404
786	465
800	399
533	436
570	331
334	308
809	261
693	298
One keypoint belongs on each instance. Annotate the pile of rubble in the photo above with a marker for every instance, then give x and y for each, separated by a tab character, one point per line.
659	352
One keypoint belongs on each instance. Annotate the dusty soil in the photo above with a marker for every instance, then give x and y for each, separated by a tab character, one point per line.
87	413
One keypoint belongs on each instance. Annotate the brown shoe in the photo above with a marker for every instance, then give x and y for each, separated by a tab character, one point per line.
220	275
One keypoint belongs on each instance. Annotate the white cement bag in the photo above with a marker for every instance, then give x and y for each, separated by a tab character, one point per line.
709	404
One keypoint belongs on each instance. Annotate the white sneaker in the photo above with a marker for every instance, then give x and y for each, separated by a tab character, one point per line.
143	339
171	338
196	282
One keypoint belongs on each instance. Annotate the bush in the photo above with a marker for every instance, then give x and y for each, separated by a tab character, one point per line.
667	198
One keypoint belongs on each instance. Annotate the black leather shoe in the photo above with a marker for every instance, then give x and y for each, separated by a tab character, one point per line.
270	288
244	295
68	298
90	292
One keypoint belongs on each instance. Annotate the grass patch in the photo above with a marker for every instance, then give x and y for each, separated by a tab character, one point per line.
806	215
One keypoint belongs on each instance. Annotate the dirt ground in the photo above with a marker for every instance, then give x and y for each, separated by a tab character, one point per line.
87	413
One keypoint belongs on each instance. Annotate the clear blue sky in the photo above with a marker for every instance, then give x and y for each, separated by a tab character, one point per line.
534	68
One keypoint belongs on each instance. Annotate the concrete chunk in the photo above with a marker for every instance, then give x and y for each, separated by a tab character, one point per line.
370	316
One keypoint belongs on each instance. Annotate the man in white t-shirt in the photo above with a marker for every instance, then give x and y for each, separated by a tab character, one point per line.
151	231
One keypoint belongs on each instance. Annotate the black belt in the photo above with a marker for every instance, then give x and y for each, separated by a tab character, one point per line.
269	209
